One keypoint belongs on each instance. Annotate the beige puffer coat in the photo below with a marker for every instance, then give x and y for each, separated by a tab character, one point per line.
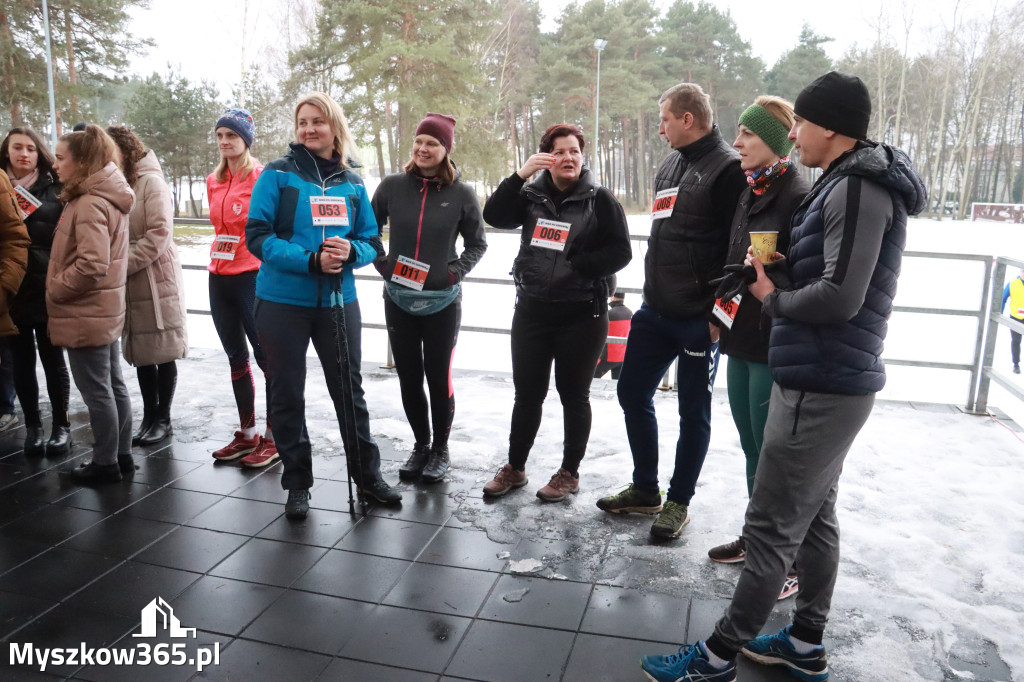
155	329
89	264
14	244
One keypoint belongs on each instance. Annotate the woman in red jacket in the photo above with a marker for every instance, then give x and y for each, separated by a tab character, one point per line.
233	272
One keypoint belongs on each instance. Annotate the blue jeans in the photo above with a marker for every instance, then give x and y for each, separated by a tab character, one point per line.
654	342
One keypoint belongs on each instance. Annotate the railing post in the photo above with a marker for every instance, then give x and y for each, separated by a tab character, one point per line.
983	308
995	288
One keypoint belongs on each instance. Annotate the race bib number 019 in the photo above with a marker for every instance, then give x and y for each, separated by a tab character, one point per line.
26	202
224	247
550	234
410	273
329	210
664	202
726	312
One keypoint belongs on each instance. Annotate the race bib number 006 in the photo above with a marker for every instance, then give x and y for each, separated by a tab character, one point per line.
329	210
550	234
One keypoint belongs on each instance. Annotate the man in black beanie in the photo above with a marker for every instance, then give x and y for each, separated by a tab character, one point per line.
824	354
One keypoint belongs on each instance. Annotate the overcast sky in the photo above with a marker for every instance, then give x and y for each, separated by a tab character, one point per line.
204	38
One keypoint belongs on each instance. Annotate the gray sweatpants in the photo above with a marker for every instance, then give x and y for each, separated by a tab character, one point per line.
97	373
791	517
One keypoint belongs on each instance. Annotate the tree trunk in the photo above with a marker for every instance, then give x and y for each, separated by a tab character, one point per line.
72	72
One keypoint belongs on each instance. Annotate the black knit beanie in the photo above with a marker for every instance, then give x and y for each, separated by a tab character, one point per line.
838	102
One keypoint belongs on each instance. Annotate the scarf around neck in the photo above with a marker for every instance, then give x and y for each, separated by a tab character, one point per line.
762	178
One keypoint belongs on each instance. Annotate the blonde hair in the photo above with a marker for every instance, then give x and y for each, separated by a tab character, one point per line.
689	97
781	109
343	143
220	173
92	149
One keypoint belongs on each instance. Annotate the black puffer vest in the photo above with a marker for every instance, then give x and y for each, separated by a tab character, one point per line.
845	358
687	249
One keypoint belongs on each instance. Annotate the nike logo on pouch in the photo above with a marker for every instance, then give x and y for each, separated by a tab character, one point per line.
419	305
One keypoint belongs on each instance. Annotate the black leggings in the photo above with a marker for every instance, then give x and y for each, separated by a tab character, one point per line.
58	381
424	346
232	299
569	335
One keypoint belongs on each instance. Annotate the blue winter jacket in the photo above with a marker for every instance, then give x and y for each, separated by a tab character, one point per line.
280	230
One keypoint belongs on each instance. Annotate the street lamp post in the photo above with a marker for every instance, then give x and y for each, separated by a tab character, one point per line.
49	77
599	45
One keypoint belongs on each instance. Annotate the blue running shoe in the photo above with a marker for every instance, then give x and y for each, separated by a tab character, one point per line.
689	665
778	650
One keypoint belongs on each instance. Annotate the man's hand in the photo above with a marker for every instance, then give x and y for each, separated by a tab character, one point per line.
762	286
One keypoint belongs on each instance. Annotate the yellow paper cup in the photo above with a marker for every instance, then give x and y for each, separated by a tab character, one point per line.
764	244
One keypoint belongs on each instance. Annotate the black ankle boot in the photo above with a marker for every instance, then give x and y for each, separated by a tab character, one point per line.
159	430
35	446
60	441
147	422
437	465
413	466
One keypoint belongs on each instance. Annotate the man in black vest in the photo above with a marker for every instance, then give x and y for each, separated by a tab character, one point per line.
826	341
696	190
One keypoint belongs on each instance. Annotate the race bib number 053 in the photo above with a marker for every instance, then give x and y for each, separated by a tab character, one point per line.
329	210
550	234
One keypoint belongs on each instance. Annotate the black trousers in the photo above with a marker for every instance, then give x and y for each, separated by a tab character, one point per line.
423	347
285	334
571	337
58	381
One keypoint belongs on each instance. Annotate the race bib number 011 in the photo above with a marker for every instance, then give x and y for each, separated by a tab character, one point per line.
664	202
550	234
224	247
410	273
26	202
329	210
726	312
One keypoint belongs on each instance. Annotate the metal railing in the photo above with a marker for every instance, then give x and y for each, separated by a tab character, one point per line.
987	315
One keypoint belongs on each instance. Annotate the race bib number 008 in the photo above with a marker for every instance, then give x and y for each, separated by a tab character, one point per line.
410	273
550	234
664	202
329	210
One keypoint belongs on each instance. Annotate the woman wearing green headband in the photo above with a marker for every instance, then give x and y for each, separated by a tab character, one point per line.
775	190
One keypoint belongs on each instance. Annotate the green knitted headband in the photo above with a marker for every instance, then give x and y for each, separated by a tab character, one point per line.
768	128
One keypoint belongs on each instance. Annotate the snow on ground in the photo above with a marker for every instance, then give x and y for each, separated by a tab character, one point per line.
930	504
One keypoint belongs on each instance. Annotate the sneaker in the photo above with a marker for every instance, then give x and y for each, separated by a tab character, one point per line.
1016	370
729	553
631	500
778	650
238	447
297	505
670	521
689	665
560	485
413	466
437	465
7	421
790	587
506	479
265	454
382	492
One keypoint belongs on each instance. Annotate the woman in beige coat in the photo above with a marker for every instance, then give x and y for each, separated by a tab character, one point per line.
85	293
155	331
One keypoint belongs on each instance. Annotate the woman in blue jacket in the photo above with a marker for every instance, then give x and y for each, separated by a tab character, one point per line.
311	223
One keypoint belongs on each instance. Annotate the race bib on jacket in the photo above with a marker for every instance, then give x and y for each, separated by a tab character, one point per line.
26	202
329	210
664	202
550	234
224	247
410	273
726	312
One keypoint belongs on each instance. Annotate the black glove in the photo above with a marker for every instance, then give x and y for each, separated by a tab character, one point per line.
778	272
734	282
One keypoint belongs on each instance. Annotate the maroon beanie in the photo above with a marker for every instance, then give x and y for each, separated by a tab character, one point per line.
439	126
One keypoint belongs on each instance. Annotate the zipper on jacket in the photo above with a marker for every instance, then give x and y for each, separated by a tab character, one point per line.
227	193
419	227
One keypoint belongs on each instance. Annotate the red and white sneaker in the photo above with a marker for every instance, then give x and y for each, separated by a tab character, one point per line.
239	447
265	454
790	587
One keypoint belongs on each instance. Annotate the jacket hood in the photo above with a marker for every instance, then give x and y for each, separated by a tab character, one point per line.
110	184
890	167
149	165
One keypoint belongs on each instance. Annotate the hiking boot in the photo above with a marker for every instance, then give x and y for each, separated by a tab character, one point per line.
689	665
265	454
297	505
413	466
92	473
670	521
437	465
238	447
729	553
790	587
381	491
631	500
506	479
778	650
560	485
